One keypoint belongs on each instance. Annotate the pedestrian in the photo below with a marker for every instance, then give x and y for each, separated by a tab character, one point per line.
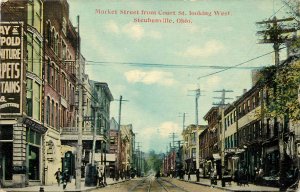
58	176
100	177
198	175
65	178
189	175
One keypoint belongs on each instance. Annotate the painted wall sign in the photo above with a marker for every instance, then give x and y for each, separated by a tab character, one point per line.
11	67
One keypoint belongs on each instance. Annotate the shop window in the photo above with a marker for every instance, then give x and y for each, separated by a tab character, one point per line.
34	162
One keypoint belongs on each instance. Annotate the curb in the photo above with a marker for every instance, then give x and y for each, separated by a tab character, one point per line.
71	190
218	187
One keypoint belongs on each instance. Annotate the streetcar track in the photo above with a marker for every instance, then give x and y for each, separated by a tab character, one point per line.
141	183
176	186
160	183
149	188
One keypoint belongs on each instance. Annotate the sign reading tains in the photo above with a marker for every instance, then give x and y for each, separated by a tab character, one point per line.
11	67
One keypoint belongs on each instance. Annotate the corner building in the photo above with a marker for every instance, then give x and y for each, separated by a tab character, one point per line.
21	125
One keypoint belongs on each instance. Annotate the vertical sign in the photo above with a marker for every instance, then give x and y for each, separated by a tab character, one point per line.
11	67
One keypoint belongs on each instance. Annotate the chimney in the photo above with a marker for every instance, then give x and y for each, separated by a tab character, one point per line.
256	75
244	91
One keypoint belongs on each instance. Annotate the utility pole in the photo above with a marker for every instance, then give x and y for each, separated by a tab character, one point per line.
173	135
119	134
197	95
183	120
223	97
94	135
139	160
274	32
79	86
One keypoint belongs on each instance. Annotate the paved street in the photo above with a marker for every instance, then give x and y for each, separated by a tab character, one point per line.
157	185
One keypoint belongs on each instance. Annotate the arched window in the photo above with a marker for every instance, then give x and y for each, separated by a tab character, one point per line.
48	110
49	33
52	38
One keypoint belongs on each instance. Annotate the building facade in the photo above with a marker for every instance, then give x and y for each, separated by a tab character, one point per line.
21	118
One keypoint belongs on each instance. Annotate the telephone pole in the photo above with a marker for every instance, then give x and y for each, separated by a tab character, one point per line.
183	120
223	97
173	135
80	95
275	32
119	134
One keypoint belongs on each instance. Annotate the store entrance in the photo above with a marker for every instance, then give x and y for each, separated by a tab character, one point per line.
6	149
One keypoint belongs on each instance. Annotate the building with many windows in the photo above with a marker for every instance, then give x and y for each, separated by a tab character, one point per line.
22	131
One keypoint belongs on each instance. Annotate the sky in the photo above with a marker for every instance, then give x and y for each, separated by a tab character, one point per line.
123	53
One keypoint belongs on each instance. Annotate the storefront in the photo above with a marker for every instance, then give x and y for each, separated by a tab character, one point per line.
6	149
20	149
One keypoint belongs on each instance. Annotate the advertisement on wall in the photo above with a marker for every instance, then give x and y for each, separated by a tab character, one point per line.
11	65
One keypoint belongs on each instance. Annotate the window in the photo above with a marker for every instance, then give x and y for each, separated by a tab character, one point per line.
64	26
49	33
48	111
29	52
253	102
248	105
30	13
38	15
52	114
52	76
48	71
240	111
36	101
57	79
37	57
29	96
56	45
234	115
194	153
52	38
64	51
57	116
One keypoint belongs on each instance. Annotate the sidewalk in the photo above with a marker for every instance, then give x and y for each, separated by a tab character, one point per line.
232	187
55	188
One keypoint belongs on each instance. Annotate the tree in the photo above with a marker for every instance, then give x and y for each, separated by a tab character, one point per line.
282	84
154	161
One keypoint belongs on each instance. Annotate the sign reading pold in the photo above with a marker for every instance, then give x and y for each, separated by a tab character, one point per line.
11	68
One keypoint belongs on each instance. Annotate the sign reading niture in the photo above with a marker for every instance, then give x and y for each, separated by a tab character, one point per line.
11	65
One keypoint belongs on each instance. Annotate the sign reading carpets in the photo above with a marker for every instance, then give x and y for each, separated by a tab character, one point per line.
11	67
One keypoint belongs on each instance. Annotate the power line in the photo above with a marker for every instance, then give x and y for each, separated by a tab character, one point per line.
161	65
234	66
